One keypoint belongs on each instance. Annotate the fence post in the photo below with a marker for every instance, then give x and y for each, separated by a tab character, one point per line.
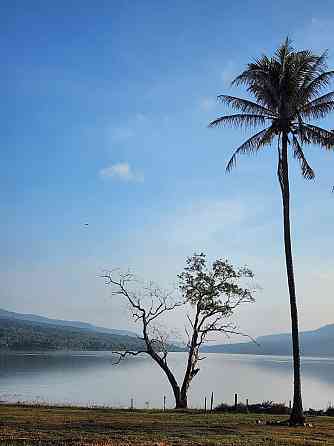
205	404
211	402
131	404
164	402
235	401
247	405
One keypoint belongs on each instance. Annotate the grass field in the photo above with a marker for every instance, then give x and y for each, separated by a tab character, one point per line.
21	425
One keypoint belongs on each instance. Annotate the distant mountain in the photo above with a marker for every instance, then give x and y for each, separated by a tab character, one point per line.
318	342
27	332
25	335
61	323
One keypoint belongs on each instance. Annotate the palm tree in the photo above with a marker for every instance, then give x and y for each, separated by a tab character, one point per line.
288	93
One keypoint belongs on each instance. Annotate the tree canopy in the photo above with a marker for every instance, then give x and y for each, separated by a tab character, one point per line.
289	91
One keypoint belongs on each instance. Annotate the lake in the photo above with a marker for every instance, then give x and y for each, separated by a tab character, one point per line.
90	378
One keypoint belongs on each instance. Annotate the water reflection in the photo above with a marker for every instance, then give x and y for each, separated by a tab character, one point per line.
319	369
91	378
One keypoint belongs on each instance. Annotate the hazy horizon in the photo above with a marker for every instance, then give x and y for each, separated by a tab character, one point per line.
136	329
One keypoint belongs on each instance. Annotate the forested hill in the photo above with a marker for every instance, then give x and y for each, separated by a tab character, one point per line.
4	314
313	343
27	335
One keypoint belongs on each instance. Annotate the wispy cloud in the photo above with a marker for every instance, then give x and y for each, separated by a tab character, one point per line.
121	171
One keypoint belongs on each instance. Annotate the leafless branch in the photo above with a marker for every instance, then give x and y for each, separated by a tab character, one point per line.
214	295
123	355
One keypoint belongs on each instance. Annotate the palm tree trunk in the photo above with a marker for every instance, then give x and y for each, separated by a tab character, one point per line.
297	416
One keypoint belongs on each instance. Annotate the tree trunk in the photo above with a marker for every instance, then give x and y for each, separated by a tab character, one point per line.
297	416
180	396
192	361
181	402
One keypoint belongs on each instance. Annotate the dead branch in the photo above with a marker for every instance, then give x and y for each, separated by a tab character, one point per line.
123	355
213	293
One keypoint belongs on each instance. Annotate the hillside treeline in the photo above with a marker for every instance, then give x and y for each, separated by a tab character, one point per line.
25	336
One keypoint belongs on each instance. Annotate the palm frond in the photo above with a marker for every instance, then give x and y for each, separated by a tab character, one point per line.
321	99
265	94
245	105
253	144
284	50
262	79
298	153
319	107
318	66
316	86
286	89
318	111
302	62
317	135
306	66
239	120
253	71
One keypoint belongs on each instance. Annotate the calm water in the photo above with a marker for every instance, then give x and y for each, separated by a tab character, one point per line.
91	379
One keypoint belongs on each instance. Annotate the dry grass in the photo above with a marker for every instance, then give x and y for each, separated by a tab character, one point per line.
106	427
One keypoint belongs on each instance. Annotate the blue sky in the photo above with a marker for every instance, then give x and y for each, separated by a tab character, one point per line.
104	115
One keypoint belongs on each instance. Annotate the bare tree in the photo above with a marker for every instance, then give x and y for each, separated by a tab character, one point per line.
213	295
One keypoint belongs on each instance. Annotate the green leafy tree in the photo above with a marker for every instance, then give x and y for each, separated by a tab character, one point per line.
288	94
212	294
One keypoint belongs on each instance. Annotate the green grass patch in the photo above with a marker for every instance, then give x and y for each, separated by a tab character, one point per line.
65	426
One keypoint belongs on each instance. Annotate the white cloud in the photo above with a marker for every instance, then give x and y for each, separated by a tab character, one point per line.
121	171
